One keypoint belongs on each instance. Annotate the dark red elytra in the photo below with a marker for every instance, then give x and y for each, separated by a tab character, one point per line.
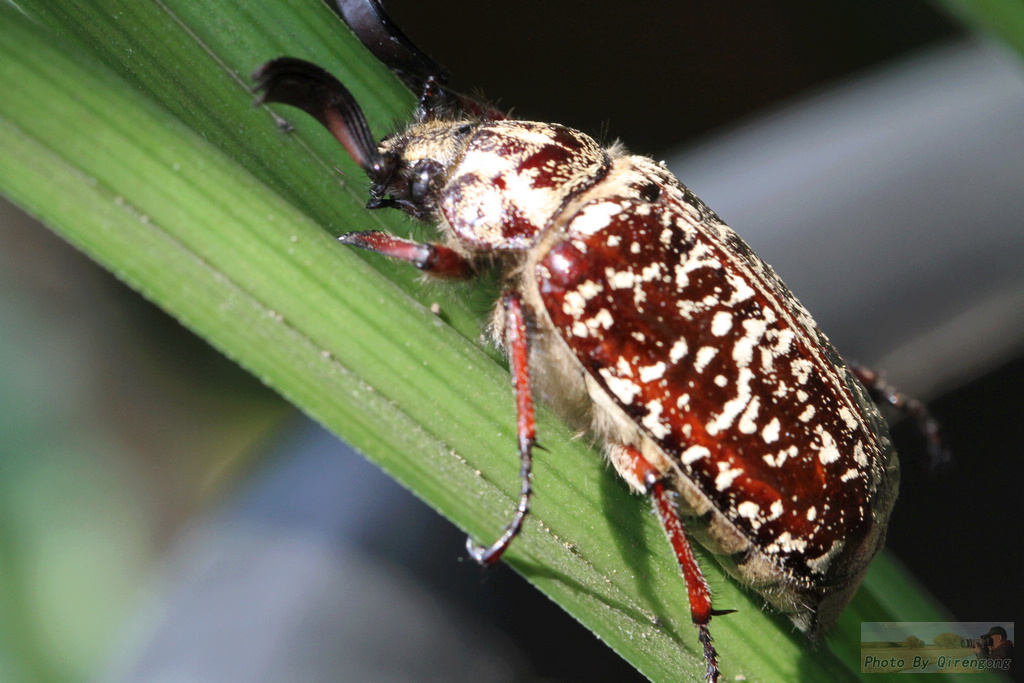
633	309
725	379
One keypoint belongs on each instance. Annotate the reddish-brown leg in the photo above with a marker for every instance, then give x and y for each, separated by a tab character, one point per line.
441	261
696	585
883	393
436	259
518	345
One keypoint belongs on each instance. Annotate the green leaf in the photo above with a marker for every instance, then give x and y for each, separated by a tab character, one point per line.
130	131
1002	18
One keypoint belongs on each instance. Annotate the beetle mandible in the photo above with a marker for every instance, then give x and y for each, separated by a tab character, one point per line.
631	307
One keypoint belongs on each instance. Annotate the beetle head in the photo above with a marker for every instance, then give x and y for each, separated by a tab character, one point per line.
419	161
406	171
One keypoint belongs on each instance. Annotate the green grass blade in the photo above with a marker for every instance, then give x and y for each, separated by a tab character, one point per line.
1002	18
130	132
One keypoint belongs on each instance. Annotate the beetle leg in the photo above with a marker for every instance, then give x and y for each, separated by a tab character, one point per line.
435	259
518	345
421	74
883	393
375	29
697	589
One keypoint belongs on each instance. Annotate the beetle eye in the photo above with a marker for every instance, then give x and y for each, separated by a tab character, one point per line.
421	184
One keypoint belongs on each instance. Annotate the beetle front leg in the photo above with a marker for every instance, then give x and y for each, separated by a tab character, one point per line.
697	589
518	345
435	259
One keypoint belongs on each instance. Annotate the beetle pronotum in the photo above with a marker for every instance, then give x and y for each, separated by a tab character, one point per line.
631	307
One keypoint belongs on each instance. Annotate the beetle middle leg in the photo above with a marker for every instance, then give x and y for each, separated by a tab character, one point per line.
441	261
518	346
697	589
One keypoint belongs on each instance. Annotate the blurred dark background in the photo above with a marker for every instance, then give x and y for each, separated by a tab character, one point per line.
125	435
661	74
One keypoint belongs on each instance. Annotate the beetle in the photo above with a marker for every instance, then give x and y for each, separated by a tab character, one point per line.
642	317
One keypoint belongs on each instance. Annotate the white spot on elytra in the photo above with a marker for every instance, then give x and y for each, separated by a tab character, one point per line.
807	414
693	454
741	291
704	356
682	277
652	420
858	454
787	544
775	510
848	417
829	451
721	323
589	289
651	272
573	304
625	389
779	458
687	308
783	342
601	319
652	372
743	351
812	513
801	369
677	351
620	279
726	476
748	509
733	407
748	420
770	433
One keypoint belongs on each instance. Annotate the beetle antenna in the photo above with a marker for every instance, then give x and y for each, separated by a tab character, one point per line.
298	83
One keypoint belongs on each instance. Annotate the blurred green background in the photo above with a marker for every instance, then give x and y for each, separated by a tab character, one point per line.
116	426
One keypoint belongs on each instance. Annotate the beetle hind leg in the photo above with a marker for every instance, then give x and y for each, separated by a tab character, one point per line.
697	589
938	454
